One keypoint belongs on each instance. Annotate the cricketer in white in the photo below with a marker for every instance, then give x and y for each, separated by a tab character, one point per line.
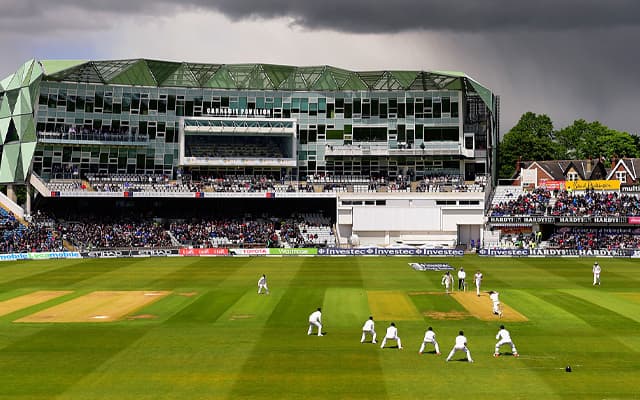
392	334
369	327
477	278
315	319
461	345
429	337
262	284
504	338
596	273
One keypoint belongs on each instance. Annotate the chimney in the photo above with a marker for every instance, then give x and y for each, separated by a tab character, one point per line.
588	169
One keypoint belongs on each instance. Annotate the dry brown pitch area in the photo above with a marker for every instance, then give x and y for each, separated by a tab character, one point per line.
100	306
28	300
481	307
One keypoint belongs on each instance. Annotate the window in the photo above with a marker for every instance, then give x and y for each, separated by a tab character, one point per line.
621	176
572	176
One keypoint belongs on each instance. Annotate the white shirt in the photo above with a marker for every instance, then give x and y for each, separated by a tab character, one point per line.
262	281
315	316
368	326
462	274
503	334
596	269
447	279
478	277
392	332
429	336
494	297
461	341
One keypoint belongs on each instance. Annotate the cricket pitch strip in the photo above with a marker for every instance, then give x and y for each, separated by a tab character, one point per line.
482	307
100	306
28	300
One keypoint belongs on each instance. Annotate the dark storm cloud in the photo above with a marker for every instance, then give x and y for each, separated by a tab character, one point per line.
375	16
568	58
362	16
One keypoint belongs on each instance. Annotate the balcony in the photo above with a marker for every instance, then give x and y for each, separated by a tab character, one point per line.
93	138
430	149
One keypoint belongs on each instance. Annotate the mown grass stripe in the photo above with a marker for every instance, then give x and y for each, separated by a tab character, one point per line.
593	314
389	305
68	276
47	363
207	307
346	308
615	303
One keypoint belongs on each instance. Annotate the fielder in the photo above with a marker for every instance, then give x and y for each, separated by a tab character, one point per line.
596	273
461	345
504	337
477	279
429	337
392	334
497	310
369	327
262	284
447	281
315	319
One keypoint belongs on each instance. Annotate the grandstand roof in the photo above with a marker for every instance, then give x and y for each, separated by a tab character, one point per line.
156	73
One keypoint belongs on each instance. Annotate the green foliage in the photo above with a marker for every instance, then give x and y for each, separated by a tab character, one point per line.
533	138
530	139
585	139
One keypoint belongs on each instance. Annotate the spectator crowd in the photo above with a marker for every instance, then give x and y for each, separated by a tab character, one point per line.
530	203
596	204
595	238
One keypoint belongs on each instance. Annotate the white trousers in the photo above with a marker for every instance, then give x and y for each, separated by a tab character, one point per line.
260	287
503	342
435	344
478	288
596	279
496	307
463	349
397	339
364	335
312	324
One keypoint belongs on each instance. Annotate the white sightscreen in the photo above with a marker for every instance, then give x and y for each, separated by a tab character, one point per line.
396	219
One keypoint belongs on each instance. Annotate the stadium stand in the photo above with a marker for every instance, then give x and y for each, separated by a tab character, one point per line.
596	203
595	238
20	238
505	202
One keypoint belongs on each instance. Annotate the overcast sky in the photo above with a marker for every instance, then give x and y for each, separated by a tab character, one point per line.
569	59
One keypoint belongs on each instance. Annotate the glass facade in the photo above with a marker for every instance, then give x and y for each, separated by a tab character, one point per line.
125	116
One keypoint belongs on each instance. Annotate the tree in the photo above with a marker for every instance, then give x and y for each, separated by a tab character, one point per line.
532	138
584	139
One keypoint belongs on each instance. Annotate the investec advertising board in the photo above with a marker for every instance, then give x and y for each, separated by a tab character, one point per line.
386	251
623	253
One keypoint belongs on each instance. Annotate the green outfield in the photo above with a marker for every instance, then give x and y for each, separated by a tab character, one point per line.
195	328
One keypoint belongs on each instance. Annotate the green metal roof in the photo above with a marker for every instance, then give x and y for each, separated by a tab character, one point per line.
143	72
17	128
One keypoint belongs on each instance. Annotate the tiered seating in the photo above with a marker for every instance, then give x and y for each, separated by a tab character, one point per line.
596	203
65	185
108	233
526	203
505	194
19	238
316	230
595	238
139	183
